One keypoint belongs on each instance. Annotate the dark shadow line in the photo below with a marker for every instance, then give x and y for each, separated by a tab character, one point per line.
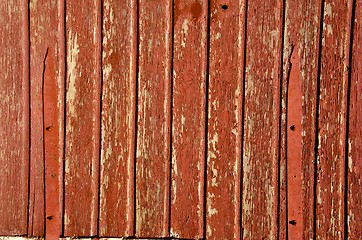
243	118
316	140
349	82
64	6
43	135
207	79
171	114
27	47
100	26
280	139
136	118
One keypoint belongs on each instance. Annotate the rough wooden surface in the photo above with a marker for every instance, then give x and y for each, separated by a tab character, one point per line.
224	129
354	170
154	118
47	104
300	75
119	58
83	86
261	120
14	117
188	119
330	212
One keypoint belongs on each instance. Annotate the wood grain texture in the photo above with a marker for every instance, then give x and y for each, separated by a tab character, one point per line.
47	104
262	119
225	119
354	171
83	94
37	53
154	119
333	76
299	94
119	60
188	119
14	120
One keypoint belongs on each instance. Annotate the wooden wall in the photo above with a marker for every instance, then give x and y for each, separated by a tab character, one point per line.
193	119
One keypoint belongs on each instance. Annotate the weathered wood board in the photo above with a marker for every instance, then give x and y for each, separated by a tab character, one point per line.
299	103
14	117
153	118
332	119
262	110
82	121
119	68
184	119
188	118
47	68
224	119
354	144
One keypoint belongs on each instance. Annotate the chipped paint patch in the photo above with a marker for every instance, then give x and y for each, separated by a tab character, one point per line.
72	61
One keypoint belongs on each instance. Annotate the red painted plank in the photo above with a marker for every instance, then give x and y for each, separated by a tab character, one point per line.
47	68
118	118
332	120
154	117
53	75
14	121
262	119
225	119
37	54
354	171
300	74
294	148
83	93
188	118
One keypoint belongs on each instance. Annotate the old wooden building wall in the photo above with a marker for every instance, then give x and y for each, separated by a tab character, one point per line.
193	119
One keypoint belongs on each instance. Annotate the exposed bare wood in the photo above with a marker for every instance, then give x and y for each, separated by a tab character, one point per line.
119	59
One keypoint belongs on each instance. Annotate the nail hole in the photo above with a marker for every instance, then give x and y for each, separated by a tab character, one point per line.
47	128
224	6
292	127
49	217
293	222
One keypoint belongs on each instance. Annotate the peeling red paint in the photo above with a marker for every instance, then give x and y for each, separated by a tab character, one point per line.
180	119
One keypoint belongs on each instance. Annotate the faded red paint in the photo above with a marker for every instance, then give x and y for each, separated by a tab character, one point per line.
261	119
47	123
301	38
332	120
153	119
14	117
205	124
51	146
188	119
354	144
294	148
119	57
82	123
224	129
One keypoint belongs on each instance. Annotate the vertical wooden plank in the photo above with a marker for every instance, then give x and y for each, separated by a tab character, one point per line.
52	145
300	75
83	85
46	83
225	119
262	119
354	172
14	121
332	119
37	54
188	118
118	118
154	119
